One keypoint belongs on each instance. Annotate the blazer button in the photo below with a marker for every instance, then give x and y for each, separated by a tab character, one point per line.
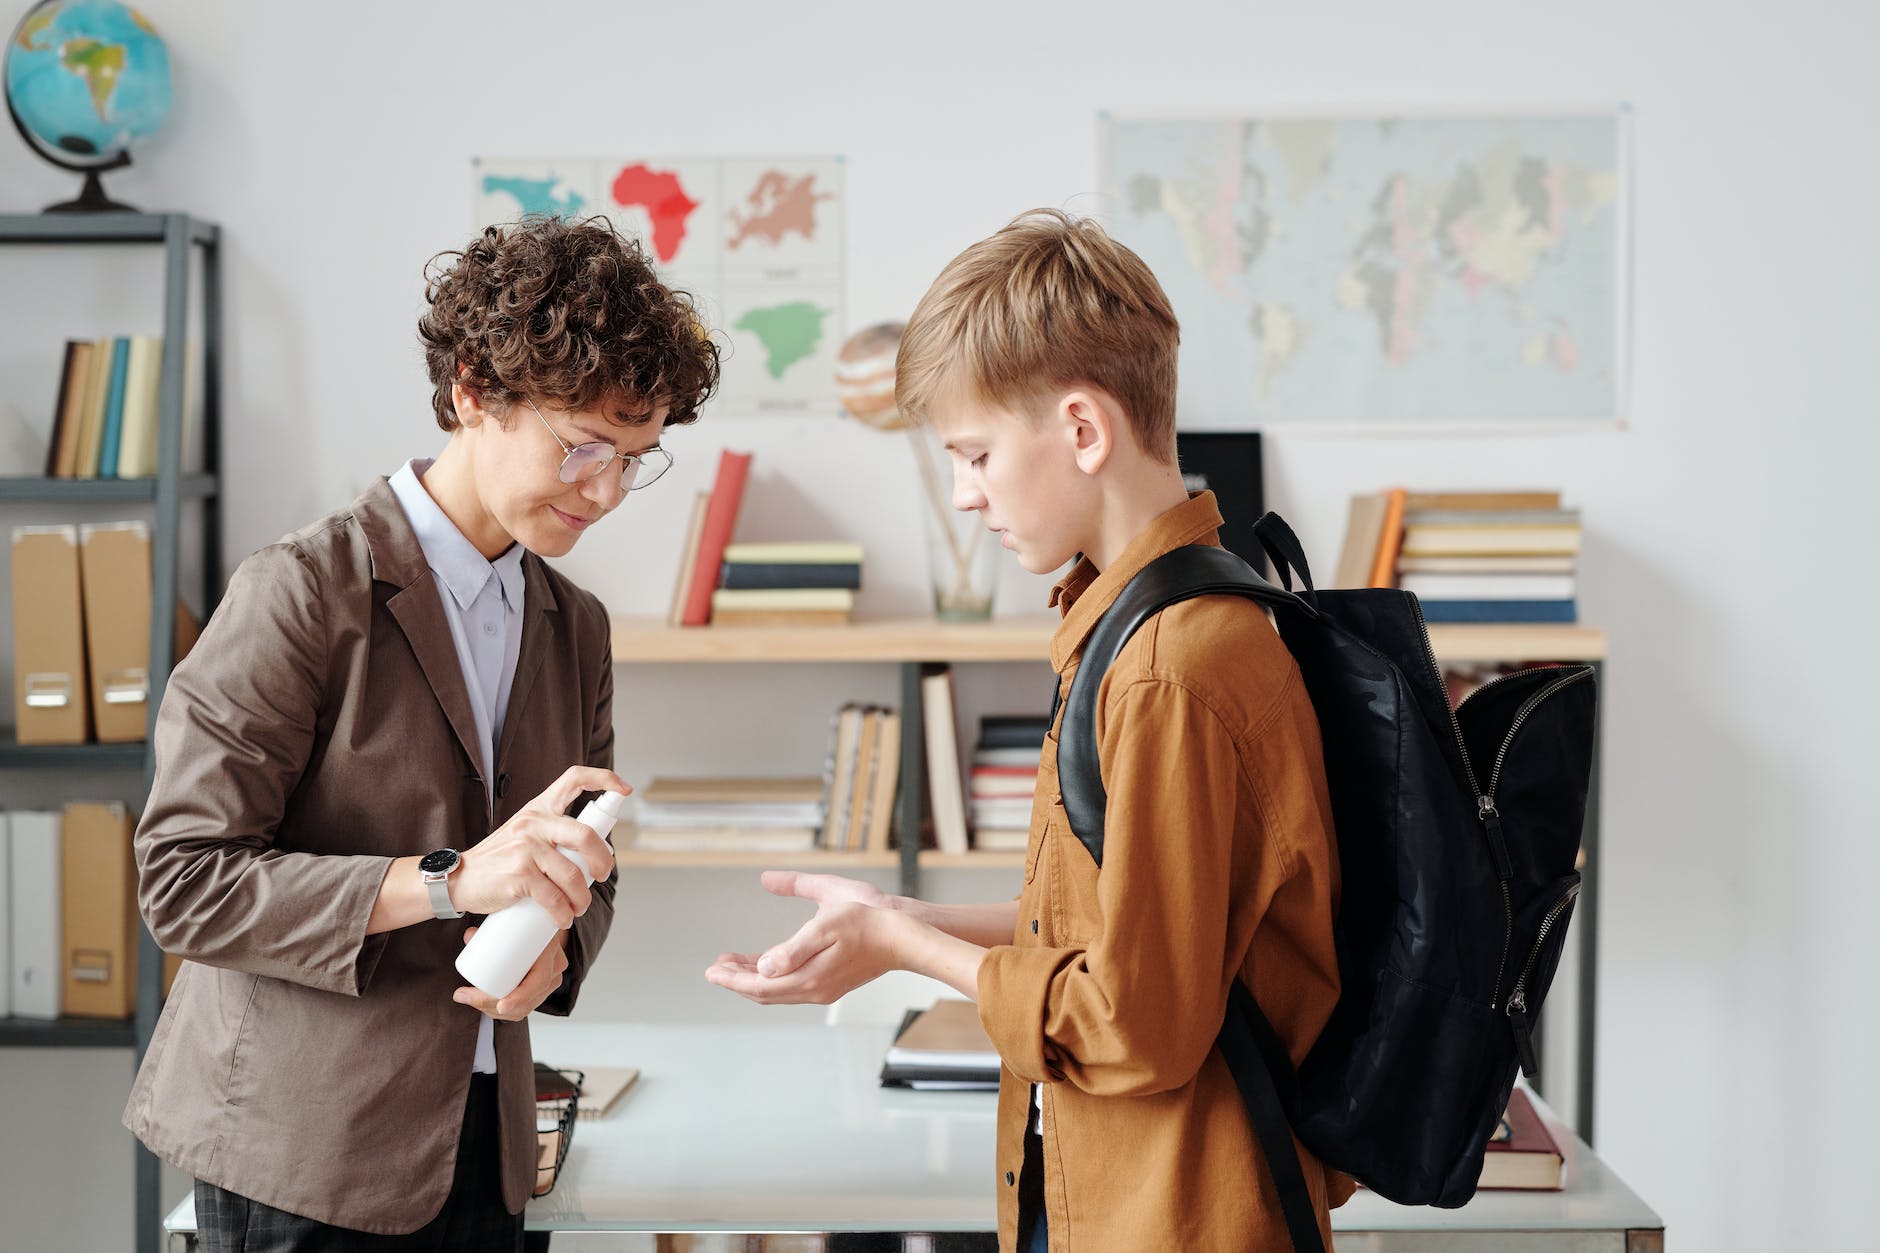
1010	1179
502	786
1034	926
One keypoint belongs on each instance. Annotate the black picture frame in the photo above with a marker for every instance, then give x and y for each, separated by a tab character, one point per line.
1228	464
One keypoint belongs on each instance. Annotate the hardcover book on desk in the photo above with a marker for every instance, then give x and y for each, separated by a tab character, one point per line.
943	1047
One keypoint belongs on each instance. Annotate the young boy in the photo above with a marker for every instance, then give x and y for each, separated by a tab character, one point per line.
1045	358
376	692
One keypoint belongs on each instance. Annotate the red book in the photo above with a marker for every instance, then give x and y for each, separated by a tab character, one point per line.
1521	1154
721	518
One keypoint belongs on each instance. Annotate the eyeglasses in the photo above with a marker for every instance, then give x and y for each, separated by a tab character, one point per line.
585	461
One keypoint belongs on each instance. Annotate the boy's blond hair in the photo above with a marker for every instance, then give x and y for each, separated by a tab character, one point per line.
1049	303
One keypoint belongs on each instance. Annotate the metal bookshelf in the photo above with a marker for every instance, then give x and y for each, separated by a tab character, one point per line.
178	234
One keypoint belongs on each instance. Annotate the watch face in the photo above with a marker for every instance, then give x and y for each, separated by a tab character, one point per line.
442	861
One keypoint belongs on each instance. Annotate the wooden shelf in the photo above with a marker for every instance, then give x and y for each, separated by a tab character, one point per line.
755	859
893	639
644	639
1002	860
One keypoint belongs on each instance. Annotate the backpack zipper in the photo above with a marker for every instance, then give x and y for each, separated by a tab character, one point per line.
1517	999
1484	810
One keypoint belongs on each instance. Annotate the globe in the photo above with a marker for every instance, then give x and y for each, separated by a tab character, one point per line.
85	80
865	376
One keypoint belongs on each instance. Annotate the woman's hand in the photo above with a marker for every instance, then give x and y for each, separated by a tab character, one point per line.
537	986
522	858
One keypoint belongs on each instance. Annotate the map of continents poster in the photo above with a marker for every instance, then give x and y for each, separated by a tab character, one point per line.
1384	273
757	240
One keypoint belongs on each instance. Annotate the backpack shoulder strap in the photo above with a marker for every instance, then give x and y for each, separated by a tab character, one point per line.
1182	574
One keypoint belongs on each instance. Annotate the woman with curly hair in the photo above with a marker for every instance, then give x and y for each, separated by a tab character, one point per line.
375	741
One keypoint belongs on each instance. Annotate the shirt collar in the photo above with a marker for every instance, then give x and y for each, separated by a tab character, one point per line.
452	557
1085	593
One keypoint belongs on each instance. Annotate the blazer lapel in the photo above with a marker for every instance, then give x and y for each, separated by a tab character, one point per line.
538	601
397	559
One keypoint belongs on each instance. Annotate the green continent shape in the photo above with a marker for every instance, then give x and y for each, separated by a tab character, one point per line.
99	64
535	196
789	332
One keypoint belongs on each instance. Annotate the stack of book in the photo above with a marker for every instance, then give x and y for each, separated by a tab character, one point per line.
1521	1153
860	776
1497	556
786	584
940	1048
763	814
1004	777
104	424
800	584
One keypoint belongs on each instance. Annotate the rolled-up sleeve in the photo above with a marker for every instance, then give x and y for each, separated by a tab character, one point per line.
1136	1009
233	736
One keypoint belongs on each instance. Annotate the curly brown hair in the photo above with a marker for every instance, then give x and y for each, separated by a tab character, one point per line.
568	312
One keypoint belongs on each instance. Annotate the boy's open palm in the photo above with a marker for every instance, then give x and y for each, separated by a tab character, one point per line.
845	945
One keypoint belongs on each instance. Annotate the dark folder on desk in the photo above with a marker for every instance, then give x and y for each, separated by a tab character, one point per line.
944	1047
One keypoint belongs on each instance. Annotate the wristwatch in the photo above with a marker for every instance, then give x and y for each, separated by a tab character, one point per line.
436	870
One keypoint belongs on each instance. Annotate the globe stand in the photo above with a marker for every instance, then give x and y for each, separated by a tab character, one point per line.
91	199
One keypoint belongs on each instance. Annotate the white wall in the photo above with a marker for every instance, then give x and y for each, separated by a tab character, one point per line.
1727	551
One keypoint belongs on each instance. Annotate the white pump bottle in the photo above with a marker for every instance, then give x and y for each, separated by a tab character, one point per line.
511	939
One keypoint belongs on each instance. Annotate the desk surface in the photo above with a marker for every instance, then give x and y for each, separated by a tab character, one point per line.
784	1128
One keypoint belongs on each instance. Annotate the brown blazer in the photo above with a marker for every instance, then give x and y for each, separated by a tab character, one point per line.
319	729
1218	861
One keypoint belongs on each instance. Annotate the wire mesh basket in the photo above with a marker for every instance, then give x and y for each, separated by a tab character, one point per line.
557	1101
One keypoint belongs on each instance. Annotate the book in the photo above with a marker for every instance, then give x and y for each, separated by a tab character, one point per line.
1430	587
1014	730
688	559
730	789
1491	517
721	518
137	448
1026	758
842	775
1521	1153
113	431
63	443
1491	564
813	553
774	599
780	617
945	787
942	1046
1452	541
1483	500
878	822
1364	528
1002	839
753	575
601	1087
1508	611
91	415
725	839
864	776
1390	540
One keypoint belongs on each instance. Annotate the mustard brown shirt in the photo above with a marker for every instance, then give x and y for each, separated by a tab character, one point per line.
1219	861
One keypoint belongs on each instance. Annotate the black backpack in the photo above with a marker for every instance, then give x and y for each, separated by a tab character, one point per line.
1457	839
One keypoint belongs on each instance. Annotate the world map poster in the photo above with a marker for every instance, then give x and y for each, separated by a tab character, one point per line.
1384	273
757	241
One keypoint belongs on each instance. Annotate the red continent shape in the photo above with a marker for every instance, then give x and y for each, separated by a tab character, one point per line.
660	193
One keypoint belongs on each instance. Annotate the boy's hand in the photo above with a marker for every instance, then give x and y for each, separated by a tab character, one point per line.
826	889
536	986
844	946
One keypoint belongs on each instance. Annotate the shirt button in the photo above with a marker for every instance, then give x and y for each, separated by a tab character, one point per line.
1034	926
1010	1179
489	628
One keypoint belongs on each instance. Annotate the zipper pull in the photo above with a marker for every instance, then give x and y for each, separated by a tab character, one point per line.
1523	1033
1497	846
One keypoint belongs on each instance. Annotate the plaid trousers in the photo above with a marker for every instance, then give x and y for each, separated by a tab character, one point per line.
473	1218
